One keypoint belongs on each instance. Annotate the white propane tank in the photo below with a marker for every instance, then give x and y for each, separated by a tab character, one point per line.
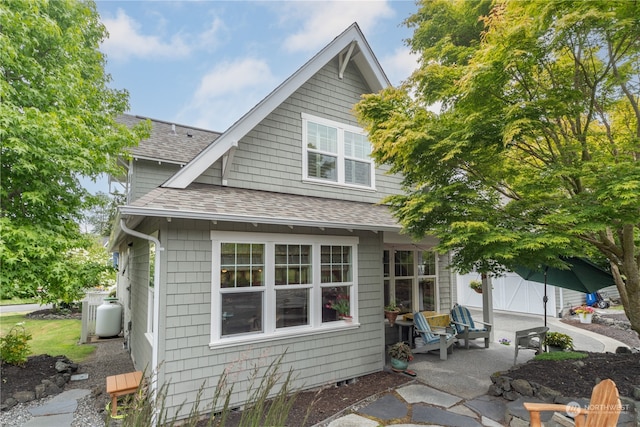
108	318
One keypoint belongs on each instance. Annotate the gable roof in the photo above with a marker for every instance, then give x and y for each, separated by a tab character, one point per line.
169	142
350	45
218	203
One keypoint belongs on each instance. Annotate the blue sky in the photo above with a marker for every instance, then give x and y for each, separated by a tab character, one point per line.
206	63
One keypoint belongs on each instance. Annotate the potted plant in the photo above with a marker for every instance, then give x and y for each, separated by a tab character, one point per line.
557	341
341	306
400	354
391	312
476	285
585	313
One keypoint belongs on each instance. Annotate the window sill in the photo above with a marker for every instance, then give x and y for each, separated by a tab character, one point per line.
256	339
338	185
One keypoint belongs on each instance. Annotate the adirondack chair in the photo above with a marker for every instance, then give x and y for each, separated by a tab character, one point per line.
531	339
433	340
466	328
604	408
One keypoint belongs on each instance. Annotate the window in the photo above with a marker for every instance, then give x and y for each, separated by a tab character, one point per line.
270	285
336	153
336	282
410	279
293	283
241	287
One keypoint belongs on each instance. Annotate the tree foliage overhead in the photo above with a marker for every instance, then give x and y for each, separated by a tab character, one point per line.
536	150
56	124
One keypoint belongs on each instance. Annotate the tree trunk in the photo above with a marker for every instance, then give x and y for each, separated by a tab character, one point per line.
629	294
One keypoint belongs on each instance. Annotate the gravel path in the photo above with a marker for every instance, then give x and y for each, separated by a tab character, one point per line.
109	359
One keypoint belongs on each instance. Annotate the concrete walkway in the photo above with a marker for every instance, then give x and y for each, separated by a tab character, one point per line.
452	392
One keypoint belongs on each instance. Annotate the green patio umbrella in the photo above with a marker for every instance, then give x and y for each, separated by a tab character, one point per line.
582	276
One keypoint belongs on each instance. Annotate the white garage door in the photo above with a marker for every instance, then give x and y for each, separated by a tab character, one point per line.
510	293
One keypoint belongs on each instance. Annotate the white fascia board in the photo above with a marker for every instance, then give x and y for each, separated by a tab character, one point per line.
152	159
376	78
167	213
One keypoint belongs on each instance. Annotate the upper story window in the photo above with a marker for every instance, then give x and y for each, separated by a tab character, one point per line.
336	153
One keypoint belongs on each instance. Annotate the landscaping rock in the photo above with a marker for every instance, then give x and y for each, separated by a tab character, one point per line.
8	404
62	366
24	396
546	394
523	387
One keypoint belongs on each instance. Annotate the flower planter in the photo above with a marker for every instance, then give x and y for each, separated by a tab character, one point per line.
585	317
391	316
399	365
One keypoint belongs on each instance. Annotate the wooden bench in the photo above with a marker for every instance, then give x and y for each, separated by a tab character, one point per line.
120	385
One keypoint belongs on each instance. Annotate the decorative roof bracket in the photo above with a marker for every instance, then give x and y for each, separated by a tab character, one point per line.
227	159
343	59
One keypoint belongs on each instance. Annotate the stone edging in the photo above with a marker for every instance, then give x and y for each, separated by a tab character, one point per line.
515	389
48	387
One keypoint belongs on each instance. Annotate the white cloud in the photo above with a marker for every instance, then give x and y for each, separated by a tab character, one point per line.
210	38
126	40
322	21
227	92
399	65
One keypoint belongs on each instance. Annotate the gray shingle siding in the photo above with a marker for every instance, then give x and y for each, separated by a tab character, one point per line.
149	175
270	156
139	276
317	359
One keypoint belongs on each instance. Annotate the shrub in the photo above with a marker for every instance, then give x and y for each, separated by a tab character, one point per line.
557	339
14	347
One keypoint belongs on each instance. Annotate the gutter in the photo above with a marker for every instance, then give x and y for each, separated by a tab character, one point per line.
296	222
156	306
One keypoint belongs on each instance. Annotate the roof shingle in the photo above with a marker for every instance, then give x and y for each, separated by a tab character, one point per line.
212	202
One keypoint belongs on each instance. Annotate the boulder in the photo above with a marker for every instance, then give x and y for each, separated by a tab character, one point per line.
522	386
24	396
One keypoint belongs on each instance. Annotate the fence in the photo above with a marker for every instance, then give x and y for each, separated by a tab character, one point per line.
90	304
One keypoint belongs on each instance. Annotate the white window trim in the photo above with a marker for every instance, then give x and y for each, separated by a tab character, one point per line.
341	127
415	277
270	332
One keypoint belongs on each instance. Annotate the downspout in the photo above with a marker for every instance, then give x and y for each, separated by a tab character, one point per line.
156	306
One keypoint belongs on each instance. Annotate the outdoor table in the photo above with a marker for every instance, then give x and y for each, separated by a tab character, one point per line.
436	321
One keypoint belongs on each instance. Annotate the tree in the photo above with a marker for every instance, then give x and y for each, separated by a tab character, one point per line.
536	150
102	213
56	124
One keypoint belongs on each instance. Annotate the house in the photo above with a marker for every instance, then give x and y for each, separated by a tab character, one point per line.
234	245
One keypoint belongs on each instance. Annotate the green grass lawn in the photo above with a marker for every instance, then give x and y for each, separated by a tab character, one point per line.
52	337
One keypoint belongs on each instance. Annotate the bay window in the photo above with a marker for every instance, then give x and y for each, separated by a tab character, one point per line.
269	285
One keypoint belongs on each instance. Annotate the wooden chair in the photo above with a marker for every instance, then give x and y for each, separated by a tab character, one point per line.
603	411
466	328
433	340
531	339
